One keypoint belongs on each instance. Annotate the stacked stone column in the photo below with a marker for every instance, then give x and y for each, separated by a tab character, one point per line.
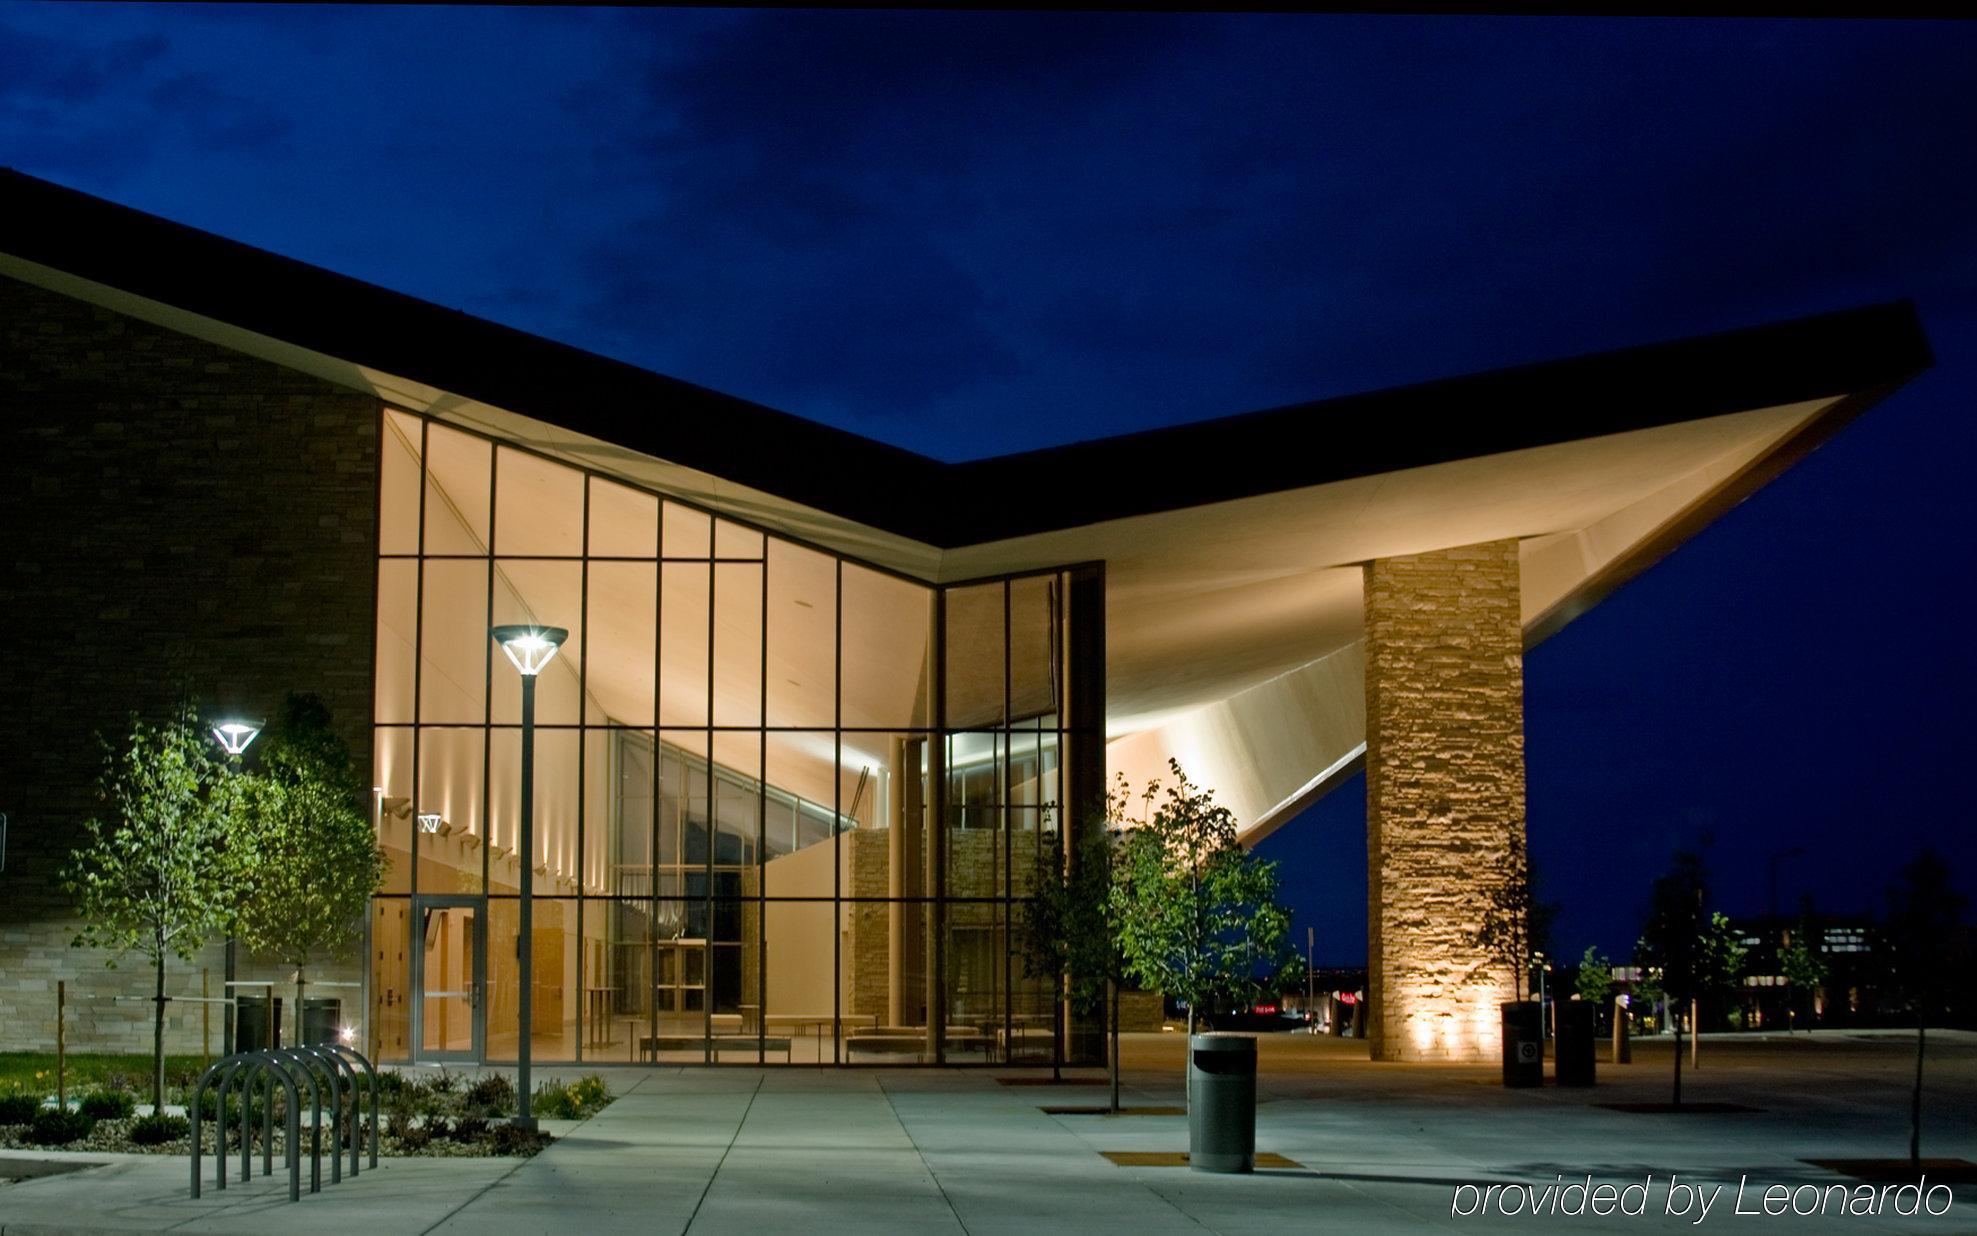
1444	793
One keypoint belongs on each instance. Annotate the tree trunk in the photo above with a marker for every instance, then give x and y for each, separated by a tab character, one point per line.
1915	1103
1061	1025
1678	1061
1695	1033
158	1038
298	1006
1112	994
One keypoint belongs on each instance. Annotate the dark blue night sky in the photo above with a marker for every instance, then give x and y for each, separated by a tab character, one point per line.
970	233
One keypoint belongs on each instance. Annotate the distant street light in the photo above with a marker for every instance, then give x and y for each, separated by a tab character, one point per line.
531	648
1544	968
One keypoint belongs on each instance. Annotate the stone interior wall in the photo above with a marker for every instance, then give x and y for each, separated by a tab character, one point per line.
1444	792
178	517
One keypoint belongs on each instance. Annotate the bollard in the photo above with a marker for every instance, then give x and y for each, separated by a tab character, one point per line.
1623	1046
62	1044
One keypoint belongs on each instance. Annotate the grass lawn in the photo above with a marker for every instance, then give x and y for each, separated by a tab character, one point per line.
34	1071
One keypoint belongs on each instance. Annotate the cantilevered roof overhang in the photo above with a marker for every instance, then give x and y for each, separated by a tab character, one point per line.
1233	600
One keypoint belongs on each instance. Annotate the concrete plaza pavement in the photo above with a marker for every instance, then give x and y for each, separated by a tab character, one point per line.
1379	1148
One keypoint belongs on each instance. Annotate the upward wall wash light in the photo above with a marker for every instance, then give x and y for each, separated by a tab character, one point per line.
235	735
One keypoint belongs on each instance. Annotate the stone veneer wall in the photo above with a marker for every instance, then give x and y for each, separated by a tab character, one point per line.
175	514
1444	792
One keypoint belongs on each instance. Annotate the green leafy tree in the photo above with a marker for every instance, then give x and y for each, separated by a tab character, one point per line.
1197	915
157	875
1802	962
1516	924
1723	957
1594	982
1070	935
314	856
1672	945
1926	954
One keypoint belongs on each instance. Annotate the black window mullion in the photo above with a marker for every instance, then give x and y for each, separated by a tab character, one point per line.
583	764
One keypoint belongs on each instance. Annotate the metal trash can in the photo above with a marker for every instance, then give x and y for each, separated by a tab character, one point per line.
322	1020
1572	1050
1523	1043
1222	1103
254	1022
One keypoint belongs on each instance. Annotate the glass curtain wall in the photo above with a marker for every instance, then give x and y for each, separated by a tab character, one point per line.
788	806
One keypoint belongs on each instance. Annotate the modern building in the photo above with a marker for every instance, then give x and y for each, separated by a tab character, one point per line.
822	698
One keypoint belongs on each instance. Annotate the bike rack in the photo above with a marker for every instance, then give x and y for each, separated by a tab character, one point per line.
327	1069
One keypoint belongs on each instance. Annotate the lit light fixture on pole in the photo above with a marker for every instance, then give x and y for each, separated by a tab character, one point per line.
233	736
531	648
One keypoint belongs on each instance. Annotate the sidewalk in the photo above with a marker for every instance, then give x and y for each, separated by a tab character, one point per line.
1381	1148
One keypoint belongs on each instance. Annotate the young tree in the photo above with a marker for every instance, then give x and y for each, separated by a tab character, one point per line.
1595	978
157	875
1196	914
1723	955
1516	920
1924	936
1672	941
1069	933
1802	962
314	857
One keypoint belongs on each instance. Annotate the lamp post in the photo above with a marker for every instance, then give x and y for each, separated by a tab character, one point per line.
233	736
531	648
1544	968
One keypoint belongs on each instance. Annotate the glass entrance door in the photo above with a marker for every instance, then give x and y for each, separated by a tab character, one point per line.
451	976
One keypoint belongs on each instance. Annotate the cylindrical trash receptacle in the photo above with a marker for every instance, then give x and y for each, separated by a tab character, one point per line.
1623	1047
1572	1051
1523	1043
322	1020
1221	1103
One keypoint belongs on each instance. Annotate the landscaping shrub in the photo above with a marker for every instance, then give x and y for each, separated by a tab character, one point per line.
398	1120
494	1094
415	1137
472	1125
18	1108
589	1093
441	1083
108	1105
552	1099
507	1139
580	1098
438	1126
58	1128
157	1130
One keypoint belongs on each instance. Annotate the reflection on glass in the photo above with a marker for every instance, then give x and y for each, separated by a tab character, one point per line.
624	523
398	485
457	488
390	982
391	804
538	506
449	973
557	996
453	642
398	627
